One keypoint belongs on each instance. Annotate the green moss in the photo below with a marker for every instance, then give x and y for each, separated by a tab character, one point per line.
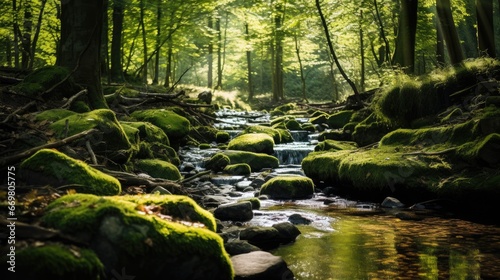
175	126
286	136
456	112
159	169
274	133
57	261
204	133
150	133
288	187
70	171
254	200
333	145
131	132
45	78
112	141
140	231
53	115
238	169
484	151
204	146
257	161
370	130
253	142
217	162
80	106
158	151
338	120
308	127
320	119
222	137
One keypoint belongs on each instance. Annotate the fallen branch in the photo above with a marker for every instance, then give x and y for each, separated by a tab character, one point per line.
14	158
73	98
22	109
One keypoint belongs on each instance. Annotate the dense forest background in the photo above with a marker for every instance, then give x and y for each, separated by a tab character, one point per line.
315	50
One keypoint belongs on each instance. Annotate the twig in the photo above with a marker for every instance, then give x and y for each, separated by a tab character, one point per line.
195	176
25	107
73	98
91	152
14	158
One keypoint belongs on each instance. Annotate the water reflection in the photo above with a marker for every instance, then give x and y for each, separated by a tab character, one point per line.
384	247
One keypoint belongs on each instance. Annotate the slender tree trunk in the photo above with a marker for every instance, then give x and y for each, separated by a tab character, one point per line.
16	31
26	39
301	68
450	33
404	55
168	74
362	52
249	63
210	59
219	54
37	33
116	72
332	51
144	45
104	44
384	53
485	34
278	57
158	41
439	45
81	24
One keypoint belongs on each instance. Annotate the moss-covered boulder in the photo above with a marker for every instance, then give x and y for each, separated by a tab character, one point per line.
152	236
44	79
253	142
222	137
149	132
339	119
111	140
333	145
217	162
175	126
53	115
57	261
288	187
52	167
257	161
159	169
274	133
238	169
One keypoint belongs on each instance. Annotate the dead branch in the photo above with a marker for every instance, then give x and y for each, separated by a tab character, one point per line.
73	98
22	109
14	158
9	80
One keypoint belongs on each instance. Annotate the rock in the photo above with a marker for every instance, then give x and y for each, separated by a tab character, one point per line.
111	142
53	115
152	236
252	142
159	169
260	265
257	161
288	232
391	202
48	166
255	202
237	247
274	133
214	200
205	96
46	78
149	132
238	169
160	190
298	219
239	211
217	162
288	187
266	238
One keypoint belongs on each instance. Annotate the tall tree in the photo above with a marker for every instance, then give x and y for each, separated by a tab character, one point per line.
81	24
404	54
277	44
159	15
37	34
485	34
116	72
210	58
26	37
249	63
449	31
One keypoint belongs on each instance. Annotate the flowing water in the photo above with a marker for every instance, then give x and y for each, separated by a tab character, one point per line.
350	240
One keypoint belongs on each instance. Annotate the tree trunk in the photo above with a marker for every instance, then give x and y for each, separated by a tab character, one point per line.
384	52
144	45
301	68
485	34
26	39
249	63
210	61
278	53
116	72
450	33
404	55
168	75
332	51
158	42
439	46
81	24
37	33
16	32
219	52
362	52
104	44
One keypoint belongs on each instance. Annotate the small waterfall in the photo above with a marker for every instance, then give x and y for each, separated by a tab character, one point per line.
292	153
300	135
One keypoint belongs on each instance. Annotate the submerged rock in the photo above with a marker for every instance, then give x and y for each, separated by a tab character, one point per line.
49	166
260	265
239	211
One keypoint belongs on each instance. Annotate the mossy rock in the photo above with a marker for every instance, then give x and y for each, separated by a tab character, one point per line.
338	120
283	109
175	126
257	161
57	261
238	169
132	134
45	78
253	142
333	145
320	119
53	115
111	140
370	130
254	200
280	120
288	187
159	169
51	166
286	136
292	125
80	106
158	151
274	133
204	146
217	162
153	236
149	132
308	127
222	137
484	151
204	133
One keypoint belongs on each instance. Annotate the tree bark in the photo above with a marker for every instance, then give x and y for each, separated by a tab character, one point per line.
278	53
144	44
26	38
37	33
301	68
485	34
81	24
404	55
450	34
158	41
116	72
210	60
249	63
